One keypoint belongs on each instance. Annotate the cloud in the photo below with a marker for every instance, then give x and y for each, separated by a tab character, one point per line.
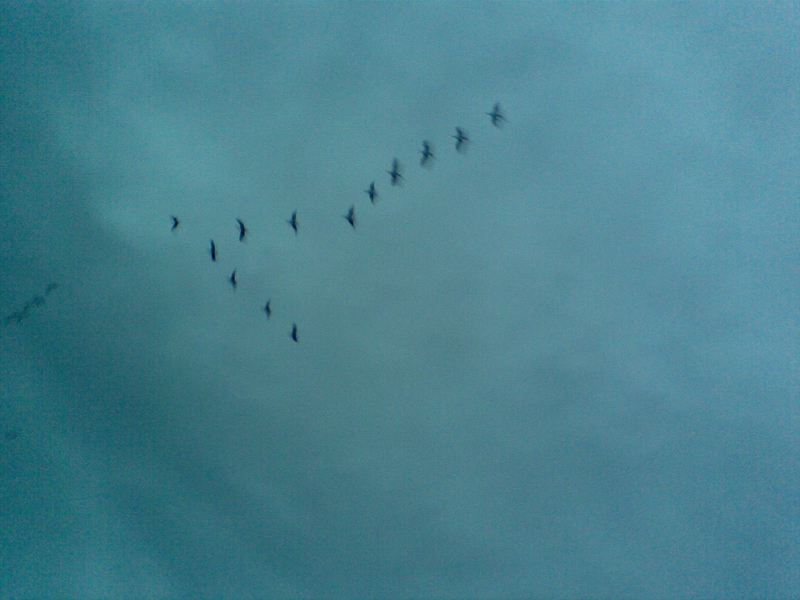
560	364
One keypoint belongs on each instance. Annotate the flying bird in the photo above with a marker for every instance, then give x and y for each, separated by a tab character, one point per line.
233	279
395	172
16	316
175	222
213	251
294	332
427	153
37	300
268	308
461	138
372	192
293	222
496	115
350	217
242	230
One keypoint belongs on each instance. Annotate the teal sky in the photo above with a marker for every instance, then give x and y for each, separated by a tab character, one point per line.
564	363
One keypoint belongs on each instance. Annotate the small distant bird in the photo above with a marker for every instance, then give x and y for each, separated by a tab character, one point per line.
268	308
213	251
461	138
497	115
427	153
350	217
233	279
372	192
294	332
395	172
175	222
242	230
37	300
293	222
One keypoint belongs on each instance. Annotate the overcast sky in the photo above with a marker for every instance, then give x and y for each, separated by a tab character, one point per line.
564	363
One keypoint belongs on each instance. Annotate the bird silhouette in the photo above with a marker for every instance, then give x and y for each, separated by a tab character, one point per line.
233	280
293	222
294	332
462	139
37	300
497	116
242	230
175	222
213	251
268	308
372	192
395	172
350	217
427	153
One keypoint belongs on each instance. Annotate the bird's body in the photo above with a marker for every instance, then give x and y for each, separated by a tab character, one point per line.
233	279
294	332
350	217
175	222
372	192
395	172
213	251
293	222
268	308
461	138
427	153
242	230
497	116
37	300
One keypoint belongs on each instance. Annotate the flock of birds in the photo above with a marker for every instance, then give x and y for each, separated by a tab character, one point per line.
461	141
10	435
30	304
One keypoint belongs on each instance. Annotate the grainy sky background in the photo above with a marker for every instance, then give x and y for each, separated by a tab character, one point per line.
564	364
